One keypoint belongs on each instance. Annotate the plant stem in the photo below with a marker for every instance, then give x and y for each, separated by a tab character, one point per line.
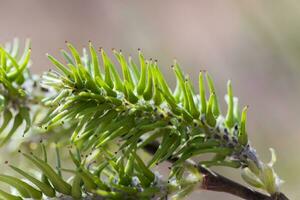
215	182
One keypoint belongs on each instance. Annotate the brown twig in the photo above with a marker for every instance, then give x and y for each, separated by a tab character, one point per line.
215	182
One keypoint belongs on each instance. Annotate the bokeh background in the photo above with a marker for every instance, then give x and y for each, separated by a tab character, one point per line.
254	43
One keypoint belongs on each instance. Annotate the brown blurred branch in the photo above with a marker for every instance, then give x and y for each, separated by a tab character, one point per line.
215	182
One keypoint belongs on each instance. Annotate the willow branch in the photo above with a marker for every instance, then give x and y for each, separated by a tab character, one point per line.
215	182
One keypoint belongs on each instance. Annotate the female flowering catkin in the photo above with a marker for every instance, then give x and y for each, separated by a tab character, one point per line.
146	109
124	113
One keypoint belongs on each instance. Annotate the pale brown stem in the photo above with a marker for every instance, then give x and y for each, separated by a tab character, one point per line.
215	182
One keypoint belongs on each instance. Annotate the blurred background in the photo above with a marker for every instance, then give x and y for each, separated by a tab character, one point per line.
254	43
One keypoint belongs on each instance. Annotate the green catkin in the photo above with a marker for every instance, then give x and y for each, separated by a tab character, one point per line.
106	111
